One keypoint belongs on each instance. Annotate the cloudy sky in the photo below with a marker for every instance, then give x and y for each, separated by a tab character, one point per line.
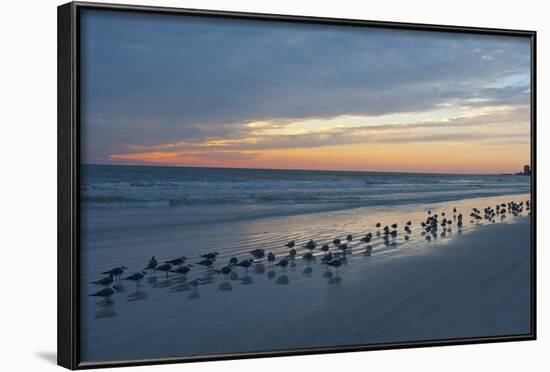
193	91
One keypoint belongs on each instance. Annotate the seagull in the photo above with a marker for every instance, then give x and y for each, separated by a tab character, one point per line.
258	253
104	281
105	292
206	262
327	258
283	264
116	272
152	265
336	263
226	270
308	256
165	267
246	264
136	278
210	256
311	244
177	261
183	270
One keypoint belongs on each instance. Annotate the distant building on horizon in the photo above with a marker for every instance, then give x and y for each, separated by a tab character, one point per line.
526	171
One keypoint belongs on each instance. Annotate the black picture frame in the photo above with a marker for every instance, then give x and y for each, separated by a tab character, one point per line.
68	337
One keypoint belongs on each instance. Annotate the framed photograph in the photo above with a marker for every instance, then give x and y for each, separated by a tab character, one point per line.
235	185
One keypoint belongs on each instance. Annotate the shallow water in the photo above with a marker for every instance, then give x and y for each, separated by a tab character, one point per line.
166	316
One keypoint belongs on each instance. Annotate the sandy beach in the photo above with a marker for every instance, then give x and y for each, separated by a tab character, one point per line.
473	282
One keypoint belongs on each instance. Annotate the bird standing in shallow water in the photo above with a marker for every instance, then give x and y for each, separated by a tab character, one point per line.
311	245
152	265
258	254
207	263
136	277
104	281
105	292
210	256
116	272
335	263
290	244
177	261
246	264
282	264
270	257
165	267
182	270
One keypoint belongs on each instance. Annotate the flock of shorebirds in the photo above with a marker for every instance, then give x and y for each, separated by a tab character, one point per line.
433	226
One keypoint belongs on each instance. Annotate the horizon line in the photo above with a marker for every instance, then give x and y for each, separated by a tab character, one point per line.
297	169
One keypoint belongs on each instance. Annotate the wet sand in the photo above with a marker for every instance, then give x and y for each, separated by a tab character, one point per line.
471	284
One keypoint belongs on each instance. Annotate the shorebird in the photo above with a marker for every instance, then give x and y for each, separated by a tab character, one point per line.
308	256
311	245
335	263
177	261
183	270
226	270
394	226
336	242
327	258
367	238
105	292
258	254
290	244
104	281
206	263
325	248
116	272
349	238
409	223
152	265
233	261
283	264
270	257
165	267
136	277
378	224
246	264
292	253
210	256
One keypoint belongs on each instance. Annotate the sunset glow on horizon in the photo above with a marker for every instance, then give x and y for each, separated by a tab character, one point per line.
302	97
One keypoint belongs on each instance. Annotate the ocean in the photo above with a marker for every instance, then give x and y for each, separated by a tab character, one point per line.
255	193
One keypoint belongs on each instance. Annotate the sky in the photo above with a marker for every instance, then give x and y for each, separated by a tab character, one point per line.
216	92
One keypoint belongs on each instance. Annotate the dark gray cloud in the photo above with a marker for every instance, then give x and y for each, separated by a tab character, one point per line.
150	79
